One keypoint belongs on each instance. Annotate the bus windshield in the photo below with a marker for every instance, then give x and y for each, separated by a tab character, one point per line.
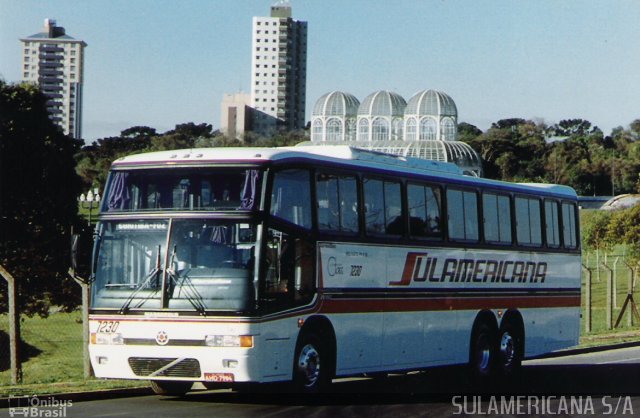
182	189
202	264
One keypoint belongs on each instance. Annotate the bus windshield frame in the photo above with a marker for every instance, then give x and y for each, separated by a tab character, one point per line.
189	264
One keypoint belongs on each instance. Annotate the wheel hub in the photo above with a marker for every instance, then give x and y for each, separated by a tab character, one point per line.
309	365
507	349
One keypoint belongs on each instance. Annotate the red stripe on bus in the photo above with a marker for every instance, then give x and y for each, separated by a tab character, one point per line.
446	304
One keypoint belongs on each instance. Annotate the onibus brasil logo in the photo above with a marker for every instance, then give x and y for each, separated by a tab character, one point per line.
35	406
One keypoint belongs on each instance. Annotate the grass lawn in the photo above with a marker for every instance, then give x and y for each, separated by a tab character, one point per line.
52	357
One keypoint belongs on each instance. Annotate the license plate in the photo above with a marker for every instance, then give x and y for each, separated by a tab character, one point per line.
219	377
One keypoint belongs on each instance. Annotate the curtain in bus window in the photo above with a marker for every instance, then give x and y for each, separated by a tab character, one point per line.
119	197
248	195
219	234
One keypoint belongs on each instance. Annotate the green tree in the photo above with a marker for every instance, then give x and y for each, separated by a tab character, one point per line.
513	149
467	132
38	190
594	227
624	228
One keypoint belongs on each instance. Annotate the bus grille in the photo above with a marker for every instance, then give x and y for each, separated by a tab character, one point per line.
167	367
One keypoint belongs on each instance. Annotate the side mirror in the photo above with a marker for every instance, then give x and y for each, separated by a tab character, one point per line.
80	253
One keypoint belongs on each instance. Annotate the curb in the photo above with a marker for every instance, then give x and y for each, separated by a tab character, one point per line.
587	350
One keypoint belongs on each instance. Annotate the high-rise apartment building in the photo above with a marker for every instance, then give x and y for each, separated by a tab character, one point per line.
278	71
55	61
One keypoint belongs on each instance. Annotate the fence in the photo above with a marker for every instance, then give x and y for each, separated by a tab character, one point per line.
35	349
608	292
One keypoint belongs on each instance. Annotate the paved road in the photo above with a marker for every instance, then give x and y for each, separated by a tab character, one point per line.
598	384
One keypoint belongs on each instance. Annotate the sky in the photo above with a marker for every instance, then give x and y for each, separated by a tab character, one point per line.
160	63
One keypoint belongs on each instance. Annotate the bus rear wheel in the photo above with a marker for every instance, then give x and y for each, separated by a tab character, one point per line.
482	355
170	387
312	368
510	349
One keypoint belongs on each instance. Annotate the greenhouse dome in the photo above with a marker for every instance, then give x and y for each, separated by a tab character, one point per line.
380	117
425	127
430	115
334	117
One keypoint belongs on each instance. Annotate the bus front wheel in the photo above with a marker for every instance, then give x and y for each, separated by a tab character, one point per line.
312	369
170	387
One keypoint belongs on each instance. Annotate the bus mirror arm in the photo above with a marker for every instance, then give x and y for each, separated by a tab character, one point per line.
79	279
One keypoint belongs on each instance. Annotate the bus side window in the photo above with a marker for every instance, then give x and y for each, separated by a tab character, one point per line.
462	215
496	212
528	222
289	278
291	197
569	225
552	223
337	203
424	211
383	207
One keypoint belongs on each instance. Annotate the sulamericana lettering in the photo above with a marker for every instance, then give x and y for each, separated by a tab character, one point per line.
541	272
518	271
503	273
462	269
491	271
432	277
417	276
530	271
449	270
477	270
419	267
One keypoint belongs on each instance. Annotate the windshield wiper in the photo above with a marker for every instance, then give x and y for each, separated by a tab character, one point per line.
190	292
152	274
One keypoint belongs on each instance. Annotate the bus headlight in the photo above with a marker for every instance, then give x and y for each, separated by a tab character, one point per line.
229	341
107	339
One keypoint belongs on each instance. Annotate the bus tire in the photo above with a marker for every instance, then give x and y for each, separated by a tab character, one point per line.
170	387
510	348
482	353
312	365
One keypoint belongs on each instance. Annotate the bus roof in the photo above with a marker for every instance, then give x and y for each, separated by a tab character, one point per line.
339	154
261	155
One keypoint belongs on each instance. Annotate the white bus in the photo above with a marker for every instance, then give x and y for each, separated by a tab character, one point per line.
247	265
